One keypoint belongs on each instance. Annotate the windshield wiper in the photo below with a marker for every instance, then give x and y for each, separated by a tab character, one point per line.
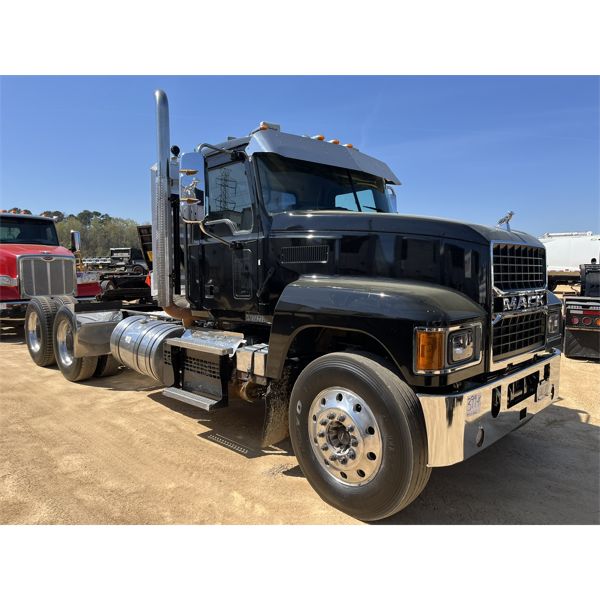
379	210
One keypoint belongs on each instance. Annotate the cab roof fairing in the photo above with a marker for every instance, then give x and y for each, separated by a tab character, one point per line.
8	215
307	149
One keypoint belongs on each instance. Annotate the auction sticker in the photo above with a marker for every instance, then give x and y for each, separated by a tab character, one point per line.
473	404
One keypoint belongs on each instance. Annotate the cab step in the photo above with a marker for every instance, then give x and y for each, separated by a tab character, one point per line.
194	399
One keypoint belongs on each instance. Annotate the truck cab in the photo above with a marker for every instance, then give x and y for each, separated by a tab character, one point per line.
33	263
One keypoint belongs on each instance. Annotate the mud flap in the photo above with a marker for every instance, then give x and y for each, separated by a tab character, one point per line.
277	399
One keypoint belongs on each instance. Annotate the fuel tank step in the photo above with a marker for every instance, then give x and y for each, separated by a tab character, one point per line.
194	399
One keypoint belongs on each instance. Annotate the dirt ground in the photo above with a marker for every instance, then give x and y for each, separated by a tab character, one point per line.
116	451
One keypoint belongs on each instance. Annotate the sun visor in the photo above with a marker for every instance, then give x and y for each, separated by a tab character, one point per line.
308	149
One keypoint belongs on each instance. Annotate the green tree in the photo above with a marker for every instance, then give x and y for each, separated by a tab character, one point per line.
99	232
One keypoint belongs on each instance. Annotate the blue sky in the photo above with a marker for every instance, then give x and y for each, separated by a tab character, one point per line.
466	148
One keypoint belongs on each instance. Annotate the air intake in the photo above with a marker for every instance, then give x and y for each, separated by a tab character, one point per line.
304	255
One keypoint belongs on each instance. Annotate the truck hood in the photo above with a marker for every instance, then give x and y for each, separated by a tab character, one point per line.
9	253
320	221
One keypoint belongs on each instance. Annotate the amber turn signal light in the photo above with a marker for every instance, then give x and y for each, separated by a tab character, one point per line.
430	350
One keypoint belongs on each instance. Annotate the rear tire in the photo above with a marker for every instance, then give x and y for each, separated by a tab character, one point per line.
63	300
359	435
107	285
107	365
73	369
39	320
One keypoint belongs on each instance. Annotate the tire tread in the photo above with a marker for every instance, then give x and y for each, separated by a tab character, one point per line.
107	365
46	314
81	368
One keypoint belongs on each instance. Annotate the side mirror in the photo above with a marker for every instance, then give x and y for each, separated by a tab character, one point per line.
75	241
191	186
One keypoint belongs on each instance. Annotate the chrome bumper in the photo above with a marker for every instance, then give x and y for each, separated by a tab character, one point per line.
460	425
13	309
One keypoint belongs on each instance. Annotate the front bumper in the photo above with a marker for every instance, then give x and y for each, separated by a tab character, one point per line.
14	309
460	425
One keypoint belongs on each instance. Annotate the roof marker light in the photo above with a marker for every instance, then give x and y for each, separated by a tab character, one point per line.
318	137
348	146
334	141
266	125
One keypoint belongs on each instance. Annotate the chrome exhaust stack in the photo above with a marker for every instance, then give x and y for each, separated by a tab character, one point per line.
162	217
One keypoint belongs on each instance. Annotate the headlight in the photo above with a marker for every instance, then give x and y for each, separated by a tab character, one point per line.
553	322
7	280
446	349
461	345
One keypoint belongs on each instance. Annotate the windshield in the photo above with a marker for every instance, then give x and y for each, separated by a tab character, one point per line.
289	184
15	230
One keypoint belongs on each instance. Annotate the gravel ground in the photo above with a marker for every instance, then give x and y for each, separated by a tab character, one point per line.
115	450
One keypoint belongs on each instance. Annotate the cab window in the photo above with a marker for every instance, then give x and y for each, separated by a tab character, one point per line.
229	195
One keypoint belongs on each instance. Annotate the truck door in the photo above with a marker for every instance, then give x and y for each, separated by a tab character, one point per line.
230	275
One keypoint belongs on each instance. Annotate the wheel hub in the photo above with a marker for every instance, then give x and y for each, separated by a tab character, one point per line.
338	437
64	338
345	436
34	331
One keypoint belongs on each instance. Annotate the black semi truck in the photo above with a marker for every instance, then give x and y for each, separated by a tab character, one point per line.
385	344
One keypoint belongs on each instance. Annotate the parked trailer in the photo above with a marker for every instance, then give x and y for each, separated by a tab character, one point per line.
565	252
582	317
386	344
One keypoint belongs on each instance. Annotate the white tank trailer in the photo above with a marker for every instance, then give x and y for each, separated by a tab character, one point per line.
565	252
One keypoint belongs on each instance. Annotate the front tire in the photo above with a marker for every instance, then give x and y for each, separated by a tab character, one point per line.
39	319
359	435
72	368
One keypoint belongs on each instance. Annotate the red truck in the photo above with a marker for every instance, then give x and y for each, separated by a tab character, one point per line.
33	263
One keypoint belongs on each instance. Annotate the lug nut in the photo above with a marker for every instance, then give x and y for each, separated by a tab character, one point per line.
354	442
324	447
351	455
333	458
343	460
342	418
331	416
323	422
321	434
350	428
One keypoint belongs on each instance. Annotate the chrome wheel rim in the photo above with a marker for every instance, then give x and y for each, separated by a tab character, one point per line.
34	332
345	436
64	341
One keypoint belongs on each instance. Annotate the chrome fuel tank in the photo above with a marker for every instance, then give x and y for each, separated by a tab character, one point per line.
138	342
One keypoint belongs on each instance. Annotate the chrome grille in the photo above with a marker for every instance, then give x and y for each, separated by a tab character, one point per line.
47	276
516	334
518	267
